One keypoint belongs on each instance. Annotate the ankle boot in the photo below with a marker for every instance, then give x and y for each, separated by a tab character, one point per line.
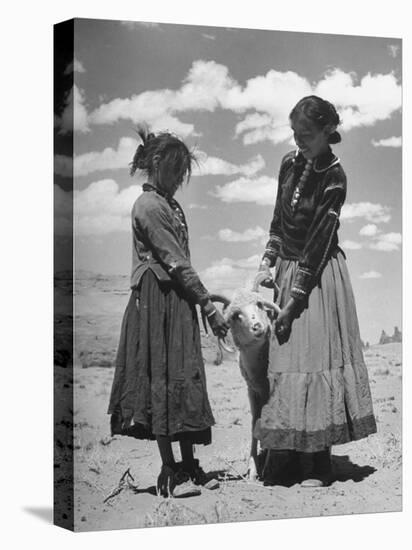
173	482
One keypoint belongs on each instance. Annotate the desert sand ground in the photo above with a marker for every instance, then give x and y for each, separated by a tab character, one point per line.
367	472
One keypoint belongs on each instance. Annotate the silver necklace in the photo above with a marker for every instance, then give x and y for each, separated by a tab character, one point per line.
333	163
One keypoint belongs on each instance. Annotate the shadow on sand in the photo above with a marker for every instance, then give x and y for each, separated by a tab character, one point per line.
345	470
288	468
149	490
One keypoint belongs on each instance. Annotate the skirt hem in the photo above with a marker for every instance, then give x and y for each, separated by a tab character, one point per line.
138	430
310	442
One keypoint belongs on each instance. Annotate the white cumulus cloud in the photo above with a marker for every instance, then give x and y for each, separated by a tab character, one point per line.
265	100
151	107
74	117
251	234
108	159
114	158
372	212
360	102
351	245
387	242
102	208
370	275
216	166
393	141
369	230
99	209
201	89
228	274
261	190
373	98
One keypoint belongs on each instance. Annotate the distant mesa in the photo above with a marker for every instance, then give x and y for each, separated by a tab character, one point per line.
386	339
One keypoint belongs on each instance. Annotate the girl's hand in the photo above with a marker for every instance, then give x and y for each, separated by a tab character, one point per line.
264	268
218	324
283	323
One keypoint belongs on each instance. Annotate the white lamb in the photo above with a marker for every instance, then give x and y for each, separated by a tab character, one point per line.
250	318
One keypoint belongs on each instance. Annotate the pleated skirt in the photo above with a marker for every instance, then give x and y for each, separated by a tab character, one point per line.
159	386
319	386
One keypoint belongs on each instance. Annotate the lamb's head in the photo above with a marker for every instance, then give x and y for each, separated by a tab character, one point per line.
249	316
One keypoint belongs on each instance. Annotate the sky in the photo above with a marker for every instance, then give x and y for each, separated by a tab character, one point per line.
228	92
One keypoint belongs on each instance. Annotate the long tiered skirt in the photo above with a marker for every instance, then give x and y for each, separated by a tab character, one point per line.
319	386
159	387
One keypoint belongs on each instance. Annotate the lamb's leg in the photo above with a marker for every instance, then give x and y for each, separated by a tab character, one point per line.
255	409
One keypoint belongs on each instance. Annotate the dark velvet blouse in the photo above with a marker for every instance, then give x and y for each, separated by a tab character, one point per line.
309	234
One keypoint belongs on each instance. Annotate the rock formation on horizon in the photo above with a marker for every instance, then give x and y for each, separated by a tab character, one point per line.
386	339
365	345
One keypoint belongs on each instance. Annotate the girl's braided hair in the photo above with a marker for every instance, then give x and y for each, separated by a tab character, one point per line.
321	112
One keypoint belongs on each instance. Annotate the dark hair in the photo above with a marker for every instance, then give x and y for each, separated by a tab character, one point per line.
172	155
320	112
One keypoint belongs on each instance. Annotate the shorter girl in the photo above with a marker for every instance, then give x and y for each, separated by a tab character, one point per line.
319	387
159	388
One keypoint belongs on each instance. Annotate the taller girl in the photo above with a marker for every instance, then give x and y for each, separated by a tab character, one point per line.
319	387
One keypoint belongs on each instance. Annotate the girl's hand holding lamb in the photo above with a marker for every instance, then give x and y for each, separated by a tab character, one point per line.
217	322
264	268
283	323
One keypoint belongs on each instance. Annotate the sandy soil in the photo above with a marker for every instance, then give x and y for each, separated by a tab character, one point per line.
368	472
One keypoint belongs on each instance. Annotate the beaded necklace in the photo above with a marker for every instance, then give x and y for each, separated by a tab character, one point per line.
299	186
310	164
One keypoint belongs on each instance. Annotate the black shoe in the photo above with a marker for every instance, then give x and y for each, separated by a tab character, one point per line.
173	482
281	468
317	468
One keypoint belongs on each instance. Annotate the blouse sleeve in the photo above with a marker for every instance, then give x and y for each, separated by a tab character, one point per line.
321	234
158	228
275	234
